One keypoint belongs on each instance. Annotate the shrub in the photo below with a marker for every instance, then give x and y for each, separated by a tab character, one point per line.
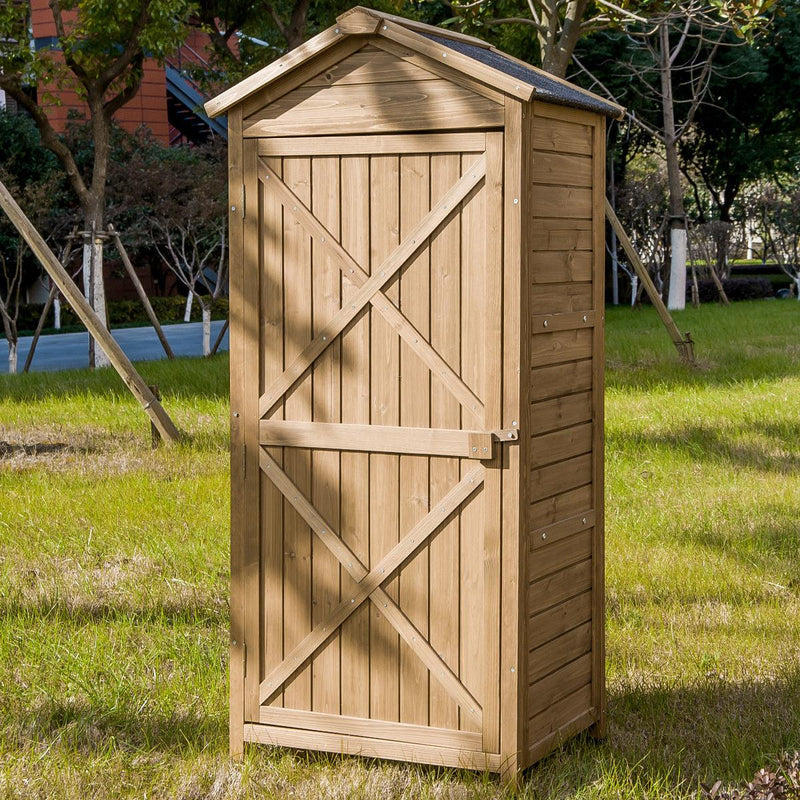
752	288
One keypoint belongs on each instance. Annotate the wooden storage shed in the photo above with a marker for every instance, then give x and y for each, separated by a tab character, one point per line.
417	229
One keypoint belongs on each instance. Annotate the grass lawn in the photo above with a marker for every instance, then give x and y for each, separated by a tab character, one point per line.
114	563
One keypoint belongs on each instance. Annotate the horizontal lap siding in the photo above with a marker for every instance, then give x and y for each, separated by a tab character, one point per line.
563	395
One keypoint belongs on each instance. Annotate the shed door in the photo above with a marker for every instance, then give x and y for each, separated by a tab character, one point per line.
379	268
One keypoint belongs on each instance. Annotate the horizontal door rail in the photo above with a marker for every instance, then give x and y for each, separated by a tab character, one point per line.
382	438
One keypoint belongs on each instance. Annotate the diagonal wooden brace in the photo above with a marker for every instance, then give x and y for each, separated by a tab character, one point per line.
369	585
371	286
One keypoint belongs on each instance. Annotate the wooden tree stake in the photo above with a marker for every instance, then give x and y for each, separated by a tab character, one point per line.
137	284
96	329
684	345
220	337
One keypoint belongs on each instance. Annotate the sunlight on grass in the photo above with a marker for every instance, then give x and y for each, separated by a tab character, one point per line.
114	582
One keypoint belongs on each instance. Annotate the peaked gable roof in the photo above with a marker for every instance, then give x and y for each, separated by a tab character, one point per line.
474	57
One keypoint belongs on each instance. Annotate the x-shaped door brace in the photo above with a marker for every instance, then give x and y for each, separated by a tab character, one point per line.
369	585
370	286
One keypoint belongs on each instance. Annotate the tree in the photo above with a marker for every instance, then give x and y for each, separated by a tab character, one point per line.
30	173
179	197
100	52
749	127
778	209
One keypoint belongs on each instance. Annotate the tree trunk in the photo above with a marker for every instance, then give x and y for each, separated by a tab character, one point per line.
206	328
12	357
677	222
57	313
797	287
187	313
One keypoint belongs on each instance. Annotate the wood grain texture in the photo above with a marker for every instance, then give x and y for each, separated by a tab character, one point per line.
560	379
548	691
561	234
373	145
238	603
386	107
354	487
561	554
561	412
561	169
560	445
414	293
559	651
561	266
560	346
555	621
560	507
560	586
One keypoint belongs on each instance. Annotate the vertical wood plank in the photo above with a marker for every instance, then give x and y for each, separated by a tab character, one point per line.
512	648
384	469
297	335
250	366
492	325
598	414
473	308
355	383
238	506
445	413
272	365
414	412
325	282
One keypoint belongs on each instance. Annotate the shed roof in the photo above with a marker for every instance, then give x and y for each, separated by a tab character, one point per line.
475	57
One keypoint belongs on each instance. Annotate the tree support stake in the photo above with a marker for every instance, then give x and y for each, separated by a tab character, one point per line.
132	379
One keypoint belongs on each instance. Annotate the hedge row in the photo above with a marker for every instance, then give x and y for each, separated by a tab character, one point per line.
123	312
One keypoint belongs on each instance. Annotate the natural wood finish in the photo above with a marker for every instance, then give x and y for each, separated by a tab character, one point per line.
561	298
357	20
560	379
684	345
558	266
598	414
512	87
236	306
414	502
493	416
369	582
562	136
557	446
567	202
354	488
373	145
546	692
547	744
137	285
560	477
562	617
377	439
559	651
560	507
94	325
561	234
560	586
561	412
551	534
440	70
560	555
402	106
371	748
549	323
369	65
565	345
572	706
272	606
297	76
238	93
512	639
387	268
561	169
372	728
413	25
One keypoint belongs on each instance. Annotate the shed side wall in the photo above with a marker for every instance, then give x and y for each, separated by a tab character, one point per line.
563	674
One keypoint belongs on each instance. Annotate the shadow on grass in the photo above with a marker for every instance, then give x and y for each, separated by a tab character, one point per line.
778	451
79	612
185	378
87	727
672	738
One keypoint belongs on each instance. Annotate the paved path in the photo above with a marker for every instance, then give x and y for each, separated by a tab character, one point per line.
70	350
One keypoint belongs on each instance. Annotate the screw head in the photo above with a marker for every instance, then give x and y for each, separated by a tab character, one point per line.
233	208
544	536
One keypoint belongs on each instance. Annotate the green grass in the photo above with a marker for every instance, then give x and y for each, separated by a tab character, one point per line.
114	564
